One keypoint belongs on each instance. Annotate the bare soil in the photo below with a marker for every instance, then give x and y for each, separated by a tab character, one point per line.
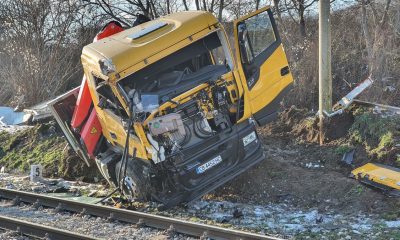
303	174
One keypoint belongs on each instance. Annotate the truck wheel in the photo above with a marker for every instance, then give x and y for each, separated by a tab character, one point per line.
134	181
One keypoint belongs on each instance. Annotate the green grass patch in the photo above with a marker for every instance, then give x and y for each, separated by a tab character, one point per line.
344	148
31	146
378	134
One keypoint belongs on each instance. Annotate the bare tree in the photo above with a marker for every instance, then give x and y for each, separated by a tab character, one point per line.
240	8
220	10
124	11
373	34
185	4
257	4
297	9
40	49
197	4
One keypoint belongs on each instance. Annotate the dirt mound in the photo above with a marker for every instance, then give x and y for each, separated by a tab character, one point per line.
74	168
304	125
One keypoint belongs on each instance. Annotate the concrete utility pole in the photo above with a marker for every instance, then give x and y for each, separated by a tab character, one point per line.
325	74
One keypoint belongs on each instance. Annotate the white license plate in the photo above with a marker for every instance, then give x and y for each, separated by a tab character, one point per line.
202	168
249	138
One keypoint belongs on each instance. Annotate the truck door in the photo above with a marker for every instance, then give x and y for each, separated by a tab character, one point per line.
262	64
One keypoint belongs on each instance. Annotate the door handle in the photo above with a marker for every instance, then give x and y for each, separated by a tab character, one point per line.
285	71
253	76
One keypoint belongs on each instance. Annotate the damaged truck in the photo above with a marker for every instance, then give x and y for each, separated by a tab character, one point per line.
168	109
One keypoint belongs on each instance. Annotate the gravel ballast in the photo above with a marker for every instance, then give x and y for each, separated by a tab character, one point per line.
87	225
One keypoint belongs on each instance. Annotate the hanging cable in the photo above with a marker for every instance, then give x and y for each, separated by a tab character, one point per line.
125	154
126	148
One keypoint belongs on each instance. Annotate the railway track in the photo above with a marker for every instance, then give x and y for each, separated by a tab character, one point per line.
39	231
141	219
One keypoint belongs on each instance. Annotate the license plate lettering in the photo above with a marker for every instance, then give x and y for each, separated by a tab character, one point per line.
249	138
202	168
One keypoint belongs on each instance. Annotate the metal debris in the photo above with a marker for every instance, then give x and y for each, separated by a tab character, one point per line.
10	117
347	100
380	176
39	111
348	157
380	108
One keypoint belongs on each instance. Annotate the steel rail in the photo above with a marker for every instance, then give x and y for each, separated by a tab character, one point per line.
139	218
39	231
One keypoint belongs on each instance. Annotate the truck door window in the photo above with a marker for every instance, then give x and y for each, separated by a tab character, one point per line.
257	39
260	33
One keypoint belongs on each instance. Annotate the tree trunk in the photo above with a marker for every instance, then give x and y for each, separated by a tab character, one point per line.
185	4
302	22
367	36
197	5
168	8
281	23
154	11
221	8
211	8
204	5
302	27
277	10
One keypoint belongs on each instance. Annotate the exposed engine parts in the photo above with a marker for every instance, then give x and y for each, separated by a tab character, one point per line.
202	116
168	123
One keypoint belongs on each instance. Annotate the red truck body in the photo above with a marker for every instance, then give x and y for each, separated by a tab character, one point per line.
91	130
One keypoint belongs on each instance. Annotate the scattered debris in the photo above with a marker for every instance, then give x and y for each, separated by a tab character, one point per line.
48	185
313	165
389	89
378	175
348	157
380	108
39	111
237	213
282	218
10	117
347	100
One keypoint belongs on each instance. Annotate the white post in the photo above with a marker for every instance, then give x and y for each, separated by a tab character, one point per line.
36	173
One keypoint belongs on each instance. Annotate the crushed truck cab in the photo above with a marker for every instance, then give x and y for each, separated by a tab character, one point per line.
177	111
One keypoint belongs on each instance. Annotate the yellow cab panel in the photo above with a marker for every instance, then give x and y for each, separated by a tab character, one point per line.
262	64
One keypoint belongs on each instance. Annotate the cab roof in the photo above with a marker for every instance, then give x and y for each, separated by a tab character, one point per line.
135	45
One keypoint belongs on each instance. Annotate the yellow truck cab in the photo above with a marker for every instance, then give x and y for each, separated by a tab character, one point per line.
188	105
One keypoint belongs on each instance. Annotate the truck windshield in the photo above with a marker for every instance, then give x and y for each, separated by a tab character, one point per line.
202	61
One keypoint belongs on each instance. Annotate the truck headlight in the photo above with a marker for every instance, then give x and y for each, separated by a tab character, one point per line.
107	66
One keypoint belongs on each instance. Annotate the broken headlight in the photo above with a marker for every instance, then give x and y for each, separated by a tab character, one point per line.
107	66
